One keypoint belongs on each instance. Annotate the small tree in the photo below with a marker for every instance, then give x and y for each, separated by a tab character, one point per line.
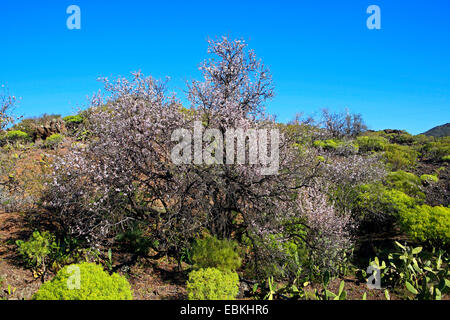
7	104
126	172
341	125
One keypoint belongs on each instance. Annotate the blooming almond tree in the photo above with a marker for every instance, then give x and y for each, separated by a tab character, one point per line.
7	103
126	173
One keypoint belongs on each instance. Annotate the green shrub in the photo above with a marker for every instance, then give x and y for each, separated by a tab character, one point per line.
427	224
446	158
406	182
375	201
17	136
428	179
435	150
329	144
214	253
403	138
400	157
36	250
94	284
422	273
212	284
135	240
53	141
28	126
73	119
371	143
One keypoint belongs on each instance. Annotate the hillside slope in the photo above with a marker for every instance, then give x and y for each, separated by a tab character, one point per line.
439	131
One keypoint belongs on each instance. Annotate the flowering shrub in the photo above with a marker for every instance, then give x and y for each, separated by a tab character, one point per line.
125	173
7	104
212	284
94	284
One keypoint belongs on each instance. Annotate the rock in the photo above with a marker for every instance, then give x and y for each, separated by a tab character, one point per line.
53	127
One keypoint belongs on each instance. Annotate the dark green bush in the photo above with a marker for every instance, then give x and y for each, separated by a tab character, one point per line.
85	281
214	253
212	284
36	250
135	240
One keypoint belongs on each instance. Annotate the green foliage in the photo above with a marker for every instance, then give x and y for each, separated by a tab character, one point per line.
214	253
30	125
439	131
94	284
53	141
428	179
424	274
77	119
326	294
14	136
397	136
400	157
329	144
135	240
371	143
420	222
406	182
403	138
212	284
427	224
42	250
290	255
446	158
375	199
36	250
436	150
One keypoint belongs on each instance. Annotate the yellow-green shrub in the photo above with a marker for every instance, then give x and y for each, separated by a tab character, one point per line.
371	143
53	141
94	284
212	284
329	144
406	182
214	253
400	157
73	119
427	224
429	178
16	136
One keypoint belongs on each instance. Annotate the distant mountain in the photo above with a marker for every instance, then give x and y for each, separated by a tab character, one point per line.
439	131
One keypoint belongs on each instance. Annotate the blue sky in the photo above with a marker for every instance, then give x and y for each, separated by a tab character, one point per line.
321	53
